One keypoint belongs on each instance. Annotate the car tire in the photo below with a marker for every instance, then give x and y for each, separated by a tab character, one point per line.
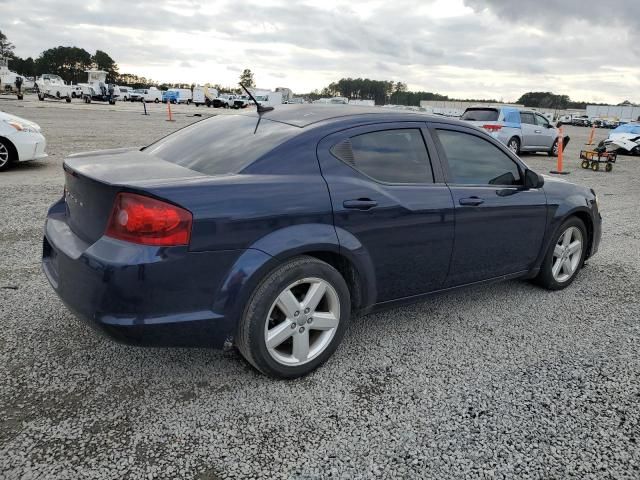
6	155
554	149
303	342
562	262
156	101
514	145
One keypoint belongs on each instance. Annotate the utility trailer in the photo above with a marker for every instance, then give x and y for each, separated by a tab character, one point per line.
97	89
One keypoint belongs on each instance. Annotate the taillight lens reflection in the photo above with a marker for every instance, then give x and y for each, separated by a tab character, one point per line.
147	221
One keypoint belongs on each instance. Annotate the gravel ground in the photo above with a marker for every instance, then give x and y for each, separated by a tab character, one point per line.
501	381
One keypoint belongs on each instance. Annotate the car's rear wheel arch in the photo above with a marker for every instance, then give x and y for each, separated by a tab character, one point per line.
349	272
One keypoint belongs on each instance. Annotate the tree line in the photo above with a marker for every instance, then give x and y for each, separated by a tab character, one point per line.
72	62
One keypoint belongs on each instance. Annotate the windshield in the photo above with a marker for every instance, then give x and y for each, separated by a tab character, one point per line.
223	144
480	115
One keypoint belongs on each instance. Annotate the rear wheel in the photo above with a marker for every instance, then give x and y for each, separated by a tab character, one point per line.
565	256
156	101
608	167
585	164
514	145
595	166
6	155
295	318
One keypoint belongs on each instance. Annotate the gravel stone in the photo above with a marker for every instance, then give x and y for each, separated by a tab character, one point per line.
501	381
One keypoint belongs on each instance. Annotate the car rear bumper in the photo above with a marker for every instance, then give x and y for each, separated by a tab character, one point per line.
137	294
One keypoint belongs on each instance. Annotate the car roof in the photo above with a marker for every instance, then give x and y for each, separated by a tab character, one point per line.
309	114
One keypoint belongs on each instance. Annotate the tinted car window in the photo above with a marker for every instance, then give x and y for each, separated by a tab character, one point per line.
474	161
390	156
480	114
526	117
540	120
222	144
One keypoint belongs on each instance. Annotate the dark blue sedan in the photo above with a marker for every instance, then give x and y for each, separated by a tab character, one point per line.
269	231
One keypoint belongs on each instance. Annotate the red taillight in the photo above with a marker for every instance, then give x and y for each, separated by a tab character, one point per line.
145	220
492	127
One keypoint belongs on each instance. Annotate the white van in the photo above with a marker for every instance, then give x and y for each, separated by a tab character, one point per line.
182	95
151	95
204	96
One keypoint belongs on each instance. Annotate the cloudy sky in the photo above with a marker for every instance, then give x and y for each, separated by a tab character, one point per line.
588	49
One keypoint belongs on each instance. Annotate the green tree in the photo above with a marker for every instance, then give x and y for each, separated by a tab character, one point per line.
102	61
246	78
6	47
68	62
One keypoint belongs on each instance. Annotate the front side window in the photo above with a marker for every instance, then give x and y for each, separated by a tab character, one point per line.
541	121
475	161
390	156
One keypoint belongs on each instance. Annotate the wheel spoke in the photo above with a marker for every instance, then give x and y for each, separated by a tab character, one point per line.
558	250
566	238
314	295
556	268
288	303
568	269
301	345
324	321
575	247
279	334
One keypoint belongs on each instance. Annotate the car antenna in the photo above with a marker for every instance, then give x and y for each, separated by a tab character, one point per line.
260	108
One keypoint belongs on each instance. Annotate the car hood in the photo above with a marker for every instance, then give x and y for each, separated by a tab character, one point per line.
7	117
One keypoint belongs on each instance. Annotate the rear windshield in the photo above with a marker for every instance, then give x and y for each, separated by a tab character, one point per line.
480	115
222	144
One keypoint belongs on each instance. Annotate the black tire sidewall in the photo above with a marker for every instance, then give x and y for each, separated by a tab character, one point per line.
514	139
251	334
545	278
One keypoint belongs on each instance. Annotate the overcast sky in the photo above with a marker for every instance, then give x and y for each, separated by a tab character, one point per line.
588	49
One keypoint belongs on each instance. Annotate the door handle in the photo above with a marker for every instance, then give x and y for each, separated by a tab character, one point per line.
538	131
471	201
360	204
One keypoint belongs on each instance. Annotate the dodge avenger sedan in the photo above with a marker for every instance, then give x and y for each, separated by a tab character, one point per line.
268	231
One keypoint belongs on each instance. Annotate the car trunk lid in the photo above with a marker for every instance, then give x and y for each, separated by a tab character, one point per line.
93	180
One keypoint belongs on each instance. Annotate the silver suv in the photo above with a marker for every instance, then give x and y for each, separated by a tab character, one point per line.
520	130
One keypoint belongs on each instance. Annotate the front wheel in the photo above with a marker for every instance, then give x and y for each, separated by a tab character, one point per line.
554	149
565	256
295	318
5	155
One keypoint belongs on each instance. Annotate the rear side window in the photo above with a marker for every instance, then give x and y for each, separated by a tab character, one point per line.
474	161
528	118
480	114
222	144
389	156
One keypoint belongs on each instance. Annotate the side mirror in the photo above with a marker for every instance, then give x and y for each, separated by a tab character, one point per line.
548	125
533	179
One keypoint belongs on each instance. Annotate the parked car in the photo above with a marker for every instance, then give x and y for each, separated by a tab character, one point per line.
581	121
224	100
204	96
268	231
136	95
20	140
520	130
125	93
241	101
151	95
177	95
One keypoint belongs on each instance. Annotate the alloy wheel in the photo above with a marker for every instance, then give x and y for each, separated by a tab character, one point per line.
4	155
302	321
513	146
567	255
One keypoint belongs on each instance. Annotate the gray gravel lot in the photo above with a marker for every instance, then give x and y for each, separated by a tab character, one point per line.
501	381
